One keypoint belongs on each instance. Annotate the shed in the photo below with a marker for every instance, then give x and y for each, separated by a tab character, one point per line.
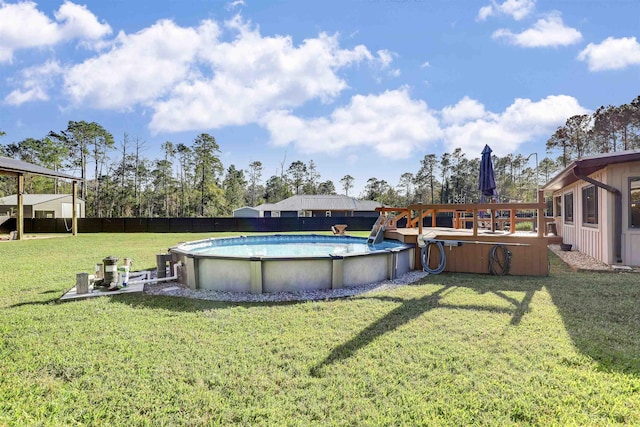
42	206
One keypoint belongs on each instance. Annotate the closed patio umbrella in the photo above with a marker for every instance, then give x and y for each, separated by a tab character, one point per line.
487	180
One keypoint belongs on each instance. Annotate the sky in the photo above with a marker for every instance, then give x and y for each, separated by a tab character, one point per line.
361	87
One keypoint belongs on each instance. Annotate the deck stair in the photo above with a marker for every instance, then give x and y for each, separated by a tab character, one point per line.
377	232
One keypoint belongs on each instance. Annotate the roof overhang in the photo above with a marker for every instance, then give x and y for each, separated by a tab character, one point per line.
587	166
14	167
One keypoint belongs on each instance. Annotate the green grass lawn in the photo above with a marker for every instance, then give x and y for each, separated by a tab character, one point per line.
453	349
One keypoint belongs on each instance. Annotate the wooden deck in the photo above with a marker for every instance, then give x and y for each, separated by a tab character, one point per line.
529	251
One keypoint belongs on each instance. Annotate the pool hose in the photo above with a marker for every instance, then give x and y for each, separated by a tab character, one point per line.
426	255
502	261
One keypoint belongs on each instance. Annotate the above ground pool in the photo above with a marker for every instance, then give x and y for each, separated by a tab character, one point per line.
289	263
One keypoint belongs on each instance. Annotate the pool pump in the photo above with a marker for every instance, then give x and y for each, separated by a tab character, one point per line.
112	277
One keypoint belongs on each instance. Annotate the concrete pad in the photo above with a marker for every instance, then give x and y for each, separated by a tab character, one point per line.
621	267
73	295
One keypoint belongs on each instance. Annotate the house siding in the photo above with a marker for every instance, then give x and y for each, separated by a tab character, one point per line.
630	236
598	240
585	238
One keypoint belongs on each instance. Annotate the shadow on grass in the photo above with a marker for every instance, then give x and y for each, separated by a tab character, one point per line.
413	308
27	303
184	304
601	315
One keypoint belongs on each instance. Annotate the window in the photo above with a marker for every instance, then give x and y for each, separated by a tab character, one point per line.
45	214
327	214
590	205
634	202
568	207
558	206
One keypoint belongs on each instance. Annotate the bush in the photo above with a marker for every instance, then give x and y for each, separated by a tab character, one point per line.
524	226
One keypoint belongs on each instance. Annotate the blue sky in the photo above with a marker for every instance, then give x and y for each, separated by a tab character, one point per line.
361	87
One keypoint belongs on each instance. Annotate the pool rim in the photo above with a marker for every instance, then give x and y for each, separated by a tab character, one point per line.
180	250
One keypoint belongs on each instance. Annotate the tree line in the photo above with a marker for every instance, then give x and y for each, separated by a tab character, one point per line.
190	179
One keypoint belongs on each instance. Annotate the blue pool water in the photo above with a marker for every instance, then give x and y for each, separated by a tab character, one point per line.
308	245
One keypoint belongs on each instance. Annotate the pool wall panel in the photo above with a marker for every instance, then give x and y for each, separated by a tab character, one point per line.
296	275
224	274
360	270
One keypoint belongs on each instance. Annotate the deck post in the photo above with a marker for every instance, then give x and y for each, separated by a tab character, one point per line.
20	208
420	224
541	222
512	221
475	222
74	210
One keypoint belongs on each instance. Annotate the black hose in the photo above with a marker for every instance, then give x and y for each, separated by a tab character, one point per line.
500	260
426	255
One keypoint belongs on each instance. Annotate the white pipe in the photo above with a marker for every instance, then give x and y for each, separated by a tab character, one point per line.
158	279
424	239
137	274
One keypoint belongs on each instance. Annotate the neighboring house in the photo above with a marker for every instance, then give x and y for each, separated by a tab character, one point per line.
313	206
42	206
246	212
596	205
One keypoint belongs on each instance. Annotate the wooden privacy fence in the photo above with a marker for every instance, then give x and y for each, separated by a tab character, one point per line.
190	225
220	224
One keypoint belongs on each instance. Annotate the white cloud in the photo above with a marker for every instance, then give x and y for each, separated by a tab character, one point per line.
35	82
23	26
78	22
517	9
611	54
396	126
233	4
549	31
521	122
386	57
392	124
425	64
485	12
141	67
254	74
466	109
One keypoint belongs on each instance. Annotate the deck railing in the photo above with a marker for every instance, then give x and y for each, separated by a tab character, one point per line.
461	210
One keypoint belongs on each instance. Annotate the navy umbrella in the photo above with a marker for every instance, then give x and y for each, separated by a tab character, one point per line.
487	178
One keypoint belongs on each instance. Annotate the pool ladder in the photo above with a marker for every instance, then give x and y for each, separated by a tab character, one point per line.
377	232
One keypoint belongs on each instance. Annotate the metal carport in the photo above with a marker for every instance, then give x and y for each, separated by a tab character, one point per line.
18	168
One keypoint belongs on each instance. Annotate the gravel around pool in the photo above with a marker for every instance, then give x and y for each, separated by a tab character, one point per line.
176	290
